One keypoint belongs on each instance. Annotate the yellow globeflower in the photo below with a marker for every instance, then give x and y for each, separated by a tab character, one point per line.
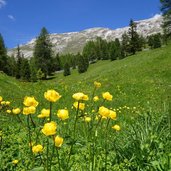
30	101
15	161
81	105
87	119
63	114
103	111
16	111
44	113
37	148
29	110
49	128
96	98
116	127
58	141
107	96
7	103
3	102
112	114
97	84
8	111
52	95
1	98
80	96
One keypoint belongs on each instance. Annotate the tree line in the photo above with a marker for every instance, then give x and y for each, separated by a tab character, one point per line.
44	62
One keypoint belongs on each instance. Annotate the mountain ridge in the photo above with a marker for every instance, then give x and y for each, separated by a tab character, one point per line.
73	42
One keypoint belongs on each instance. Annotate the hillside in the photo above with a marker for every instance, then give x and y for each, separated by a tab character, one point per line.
135	80
74	42
137	137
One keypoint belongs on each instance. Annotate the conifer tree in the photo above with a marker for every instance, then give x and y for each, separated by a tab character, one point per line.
125	45
89	51
82	63
57	63
166	10
112	50
67	69
134	44
3	55
19	62
43	52
25	69
33	70
11	65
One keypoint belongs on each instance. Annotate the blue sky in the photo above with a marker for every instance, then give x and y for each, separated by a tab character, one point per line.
22	20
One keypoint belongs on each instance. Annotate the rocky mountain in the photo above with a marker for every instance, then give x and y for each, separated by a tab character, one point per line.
74	41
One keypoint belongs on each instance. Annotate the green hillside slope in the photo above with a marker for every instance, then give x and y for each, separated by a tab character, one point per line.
134	80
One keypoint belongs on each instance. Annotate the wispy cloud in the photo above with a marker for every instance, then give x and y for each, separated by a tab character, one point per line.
11	17
2	3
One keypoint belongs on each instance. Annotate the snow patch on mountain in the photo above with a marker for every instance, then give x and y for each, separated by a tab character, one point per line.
74	41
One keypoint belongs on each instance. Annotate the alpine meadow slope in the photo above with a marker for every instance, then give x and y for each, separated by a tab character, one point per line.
135	136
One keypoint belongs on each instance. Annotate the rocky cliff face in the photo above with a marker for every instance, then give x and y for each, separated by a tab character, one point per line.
74	41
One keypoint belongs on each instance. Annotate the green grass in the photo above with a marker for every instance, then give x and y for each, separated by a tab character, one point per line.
141	89
134	80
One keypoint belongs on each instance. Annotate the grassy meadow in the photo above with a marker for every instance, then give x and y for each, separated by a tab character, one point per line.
137	138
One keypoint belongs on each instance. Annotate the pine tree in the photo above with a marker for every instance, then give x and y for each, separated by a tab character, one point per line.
11	65
134	44
3	56
33	70
43	52
154	41
19	62
67	69
125	45
82	63
89	51
57	63
25	70
166	10
112	50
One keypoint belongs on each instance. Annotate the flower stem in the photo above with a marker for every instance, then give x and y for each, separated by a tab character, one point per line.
50	111
106	144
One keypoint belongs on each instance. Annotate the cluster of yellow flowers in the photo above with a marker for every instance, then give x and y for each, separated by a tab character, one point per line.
7	103
49	129
30	104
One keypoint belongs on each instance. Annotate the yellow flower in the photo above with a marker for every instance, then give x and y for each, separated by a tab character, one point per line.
16	111
8	111
63	114
49	128
112	114
15	161
7	103
96	98
3	102
80	96
103	111
97	84
52	95
58	141
30	101
87	119
44	113
1	98
116	127
37	148
107	96
29	110
80	105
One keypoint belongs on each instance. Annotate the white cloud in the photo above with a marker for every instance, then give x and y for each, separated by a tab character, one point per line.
11	17
2	3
